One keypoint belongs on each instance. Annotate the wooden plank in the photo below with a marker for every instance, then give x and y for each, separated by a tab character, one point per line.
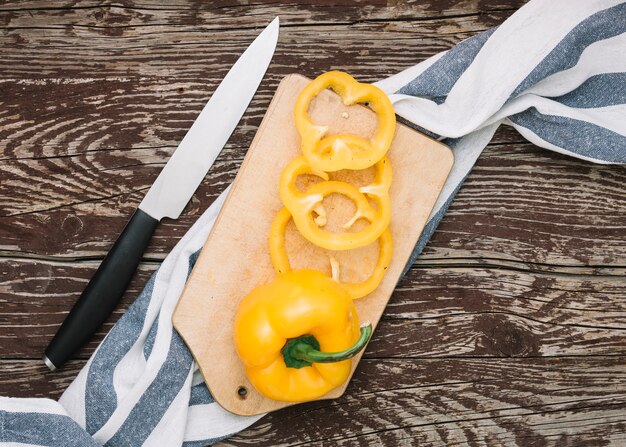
128	19
455	401
439	310
156	80
520	204
31	378
36	296
224	13
459	402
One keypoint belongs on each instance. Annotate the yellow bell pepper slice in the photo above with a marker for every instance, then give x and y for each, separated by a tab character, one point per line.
280	258
344	151
302	205
289	191
296	335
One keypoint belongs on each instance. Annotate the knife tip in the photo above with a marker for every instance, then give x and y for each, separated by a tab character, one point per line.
275	23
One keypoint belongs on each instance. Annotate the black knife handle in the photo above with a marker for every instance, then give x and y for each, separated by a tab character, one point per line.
104	291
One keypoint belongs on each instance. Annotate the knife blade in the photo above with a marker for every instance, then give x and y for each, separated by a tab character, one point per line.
167	196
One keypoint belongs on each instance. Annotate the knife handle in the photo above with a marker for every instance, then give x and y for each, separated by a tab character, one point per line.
104	291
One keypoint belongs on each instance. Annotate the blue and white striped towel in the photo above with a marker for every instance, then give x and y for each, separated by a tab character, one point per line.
555	71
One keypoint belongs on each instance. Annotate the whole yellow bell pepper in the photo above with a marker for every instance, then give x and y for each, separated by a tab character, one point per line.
296	335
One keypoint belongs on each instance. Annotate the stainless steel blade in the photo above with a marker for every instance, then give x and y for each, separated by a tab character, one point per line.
207	136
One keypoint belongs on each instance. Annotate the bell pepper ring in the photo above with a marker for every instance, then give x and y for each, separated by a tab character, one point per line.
288	190
280	258
378	190
302	205
296	335
344	151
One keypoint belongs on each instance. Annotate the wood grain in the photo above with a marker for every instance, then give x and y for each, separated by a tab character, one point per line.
439	310
460	402
157	75
509	330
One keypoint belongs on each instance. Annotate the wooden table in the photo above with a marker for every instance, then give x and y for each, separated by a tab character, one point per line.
510	328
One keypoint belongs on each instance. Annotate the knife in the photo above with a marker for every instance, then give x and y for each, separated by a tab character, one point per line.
167	197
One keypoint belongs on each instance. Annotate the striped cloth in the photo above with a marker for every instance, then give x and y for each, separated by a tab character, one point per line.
555	71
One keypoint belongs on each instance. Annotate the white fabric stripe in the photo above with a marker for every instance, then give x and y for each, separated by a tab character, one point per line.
133	365
170	282
73	399
483	88
31	405
604	56
212	421
17	444
165	280
397	81
171	429
536	139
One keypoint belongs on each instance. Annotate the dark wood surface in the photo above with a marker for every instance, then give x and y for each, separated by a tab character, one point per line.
509	330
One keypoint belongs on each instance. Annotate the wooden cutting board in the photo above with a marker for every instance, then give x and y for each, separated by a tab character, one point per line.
235	258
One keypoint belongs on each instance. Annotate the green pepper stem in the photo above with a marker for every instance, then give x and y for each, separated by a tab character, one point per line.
306	353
